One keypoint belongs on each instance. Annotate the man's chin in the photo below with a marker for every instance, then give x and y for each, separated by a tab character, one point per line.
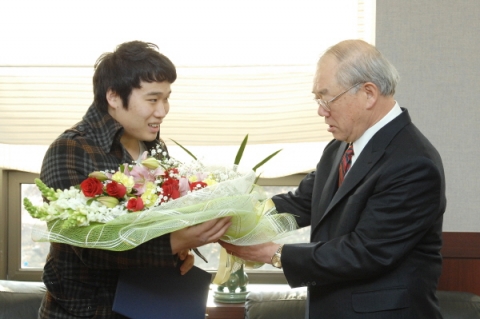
151	137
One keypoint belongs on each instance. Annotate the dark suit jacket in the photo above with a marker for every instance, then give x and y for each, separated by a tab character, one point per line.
375	242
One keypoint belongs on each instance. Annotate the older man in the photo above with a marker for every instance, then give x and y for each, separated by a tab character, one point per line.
375	202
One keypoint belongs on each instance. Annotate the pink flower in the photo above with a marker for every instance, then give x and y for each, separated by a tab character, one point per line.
141	175
183	186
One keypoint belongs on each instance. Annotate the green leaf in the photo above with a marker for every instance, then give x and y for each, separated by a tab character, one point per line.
257	178
240	150
188	152
266	159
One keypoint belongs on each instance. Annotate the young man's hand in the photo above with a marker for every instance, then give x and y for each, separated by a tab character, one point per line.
199	235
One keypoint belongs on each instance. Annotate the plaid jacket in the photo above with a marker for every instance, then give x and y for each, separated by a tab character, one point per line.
81	282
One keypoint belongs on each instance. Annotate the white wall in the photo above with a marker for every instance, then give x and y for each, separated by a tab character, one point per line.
435	47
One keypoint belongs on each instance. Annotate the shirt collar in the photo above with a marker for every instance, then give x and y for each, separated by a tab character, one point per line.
360	143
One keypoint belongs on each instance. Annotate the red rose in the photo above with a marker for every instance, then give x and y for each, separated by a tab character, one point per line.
170	188
115	189
91	187
135	204
197	185
171	171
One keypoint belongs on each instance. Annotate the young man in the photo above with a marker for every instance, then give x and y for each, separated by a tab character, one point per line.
375	202
131	90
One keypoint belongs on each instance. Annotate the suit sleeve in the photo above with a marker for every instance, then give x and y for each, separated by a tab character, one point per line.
390	215
298	202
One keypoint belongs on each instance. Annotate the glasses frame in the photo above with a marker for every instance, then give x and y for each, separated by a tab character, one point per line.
325	104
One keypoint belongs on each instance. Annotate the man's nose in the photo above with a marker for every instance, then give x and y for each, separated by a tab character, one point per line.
160	110
322	112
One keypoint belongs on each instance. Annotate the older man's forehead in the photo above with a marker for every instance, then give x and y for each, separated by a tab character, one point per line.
319	85
325	74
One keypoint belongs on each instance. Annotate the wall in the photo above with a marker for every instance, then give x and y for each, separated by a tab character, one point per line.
435	47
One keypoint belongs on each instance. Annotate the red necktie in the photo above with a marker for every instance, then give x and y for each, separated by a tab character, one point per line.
345	164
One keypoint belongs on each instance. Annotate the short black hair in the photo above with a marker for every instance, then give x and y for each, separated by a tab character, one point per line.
124	69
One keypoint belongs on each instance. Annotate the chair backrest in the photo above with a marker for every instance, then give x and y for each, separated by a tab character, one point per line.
291	304
20	299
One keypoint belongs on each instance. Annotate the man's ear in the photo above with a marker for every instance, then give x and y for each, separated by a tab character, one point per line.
372	92
113	99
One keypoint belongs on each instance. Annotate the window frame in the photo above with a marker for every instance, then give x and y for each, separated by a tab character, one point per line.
3	225
14	233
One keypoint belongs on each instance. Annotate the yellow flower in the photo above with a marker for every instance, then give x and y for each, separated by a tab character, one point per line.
149	197
193	178
210	181
127	181
150	163
108	201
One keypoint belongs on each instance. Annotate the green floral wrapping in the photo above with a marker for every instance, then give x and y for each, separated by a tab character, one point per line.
253	221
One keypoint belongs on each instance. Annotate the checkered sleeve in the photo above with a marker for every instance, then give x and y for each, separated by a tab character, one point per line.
154	253
68	162
65	164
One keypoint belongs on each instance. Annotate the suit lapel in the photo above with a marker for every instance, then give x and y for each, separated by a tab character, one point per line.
362	166
370	155
331	185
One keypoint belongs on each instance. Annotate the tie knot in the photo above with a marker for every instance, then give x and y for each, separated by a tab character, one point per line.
349	152
345	164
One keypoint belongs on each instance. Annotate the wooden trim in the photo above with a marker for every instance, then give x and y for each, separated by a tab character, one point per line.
461	245
225	311
461	262
460	275
217	310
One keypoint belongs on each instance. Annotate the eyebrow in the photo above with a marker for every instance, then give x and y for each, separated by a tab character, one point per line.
321	92
157	93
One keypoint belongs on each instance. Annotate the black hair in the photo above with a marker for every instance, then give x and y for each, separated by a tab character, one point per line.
124	69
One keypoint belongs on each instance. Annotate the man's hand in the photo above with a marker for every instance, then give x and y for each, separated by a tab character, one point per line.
258	253
199	235
188	260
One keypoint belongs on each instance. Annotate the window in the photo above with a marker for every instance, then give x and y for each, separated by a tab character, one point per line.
240	71
25	258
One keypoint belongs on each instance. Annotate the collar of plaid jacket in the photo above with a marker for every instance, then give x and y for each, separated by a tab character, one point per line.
107	131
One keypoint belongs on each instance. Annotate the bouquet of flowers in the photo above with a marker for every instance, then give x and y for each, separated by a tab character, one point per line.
119	210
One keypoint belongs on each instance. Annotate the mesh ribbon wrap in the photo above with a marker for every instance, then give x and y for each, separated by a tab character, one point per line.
252	222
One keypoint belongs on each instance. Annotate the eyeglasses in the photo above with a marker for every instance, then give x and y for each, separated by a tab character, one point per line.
325	104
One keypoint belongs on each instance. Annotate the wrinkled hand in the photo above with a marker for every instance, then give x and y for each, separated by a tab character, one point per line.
261	253
188	260
199	235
